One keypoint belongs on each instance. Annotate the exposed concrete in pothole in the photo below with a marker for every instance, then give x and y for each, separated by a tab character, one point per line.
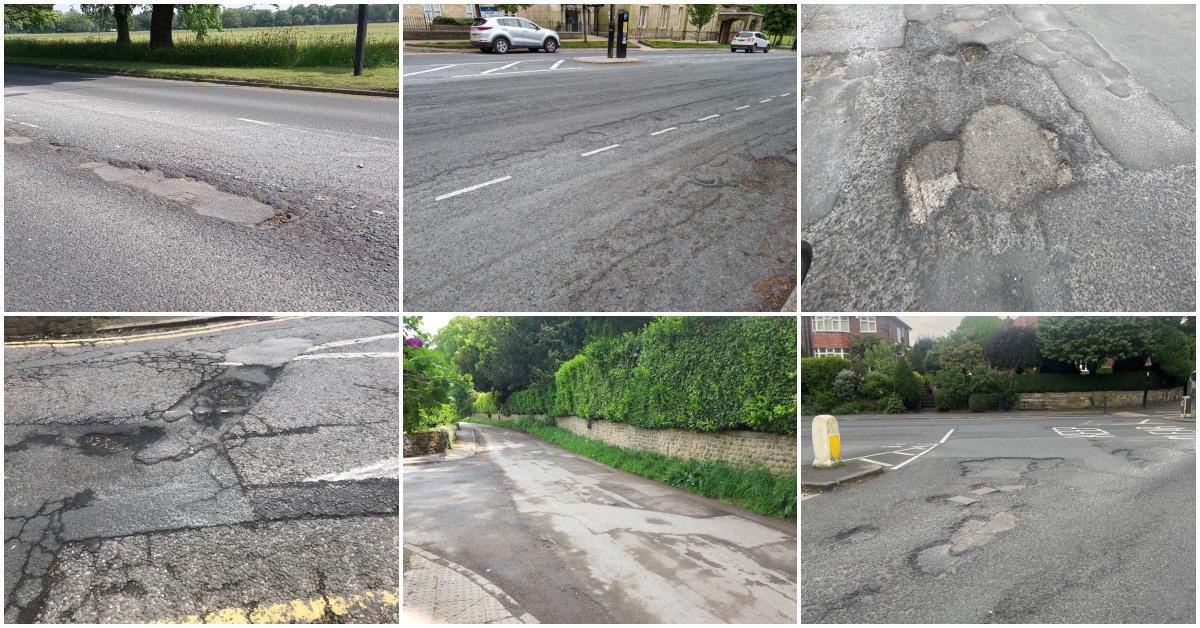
971	534
203	198
930	179
1009	157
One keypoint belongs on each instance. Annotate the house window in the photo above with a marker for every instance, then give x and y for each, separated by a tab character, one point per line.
470	10
831	323
662	18
866	324
642	16
431	11
841	353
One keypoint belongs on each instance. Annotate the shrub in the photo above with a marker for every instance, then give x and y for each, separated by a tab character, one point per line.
1000	384
982	402
891	404
875	385
818	374
906	384
845	385
449	21
854	407
537	400
485	403
953	386
820	403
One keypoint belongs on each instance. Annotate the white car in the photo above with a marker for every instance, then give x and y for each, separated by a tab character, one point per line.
750	41
501	34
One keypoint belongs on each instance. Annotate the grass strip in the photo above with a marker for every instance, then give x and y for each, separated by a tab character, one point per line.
670	43
457	44
384	79
756	489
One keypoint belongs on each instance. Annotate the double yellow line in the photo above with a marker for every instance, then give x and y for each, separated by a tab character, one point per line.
382	606
162	335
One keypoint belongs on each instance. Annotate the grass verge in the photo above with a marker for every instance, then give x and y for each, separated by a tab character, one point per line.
383	79
756	490
669	43
456	44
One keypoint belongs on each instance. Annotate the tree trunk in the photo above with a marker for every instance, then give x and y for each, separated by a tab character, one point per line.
161	18
121	15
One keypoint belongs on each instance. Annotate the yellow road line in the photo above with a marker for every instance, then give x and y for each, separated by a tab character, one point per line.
112	340
302	611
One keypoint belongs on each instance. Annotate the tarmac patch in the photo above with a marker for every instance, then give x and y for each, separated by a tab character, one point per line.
203	198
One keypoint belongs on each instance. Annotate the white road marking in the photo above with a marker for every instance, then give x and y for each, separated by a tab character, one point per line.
440	67
556	64
598	150
947	435
899	466
902	453
663	131
742	107
499	68
389	468
353	341
715	115
258	122
473	188
231	364
1144	421
510	73
786	94
1081	432
868	459
767	100
347	356
28	124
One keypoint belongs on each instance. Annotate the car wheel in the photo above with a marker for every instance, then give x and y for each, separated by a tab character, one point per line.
500	46
733	50
767	49
551	45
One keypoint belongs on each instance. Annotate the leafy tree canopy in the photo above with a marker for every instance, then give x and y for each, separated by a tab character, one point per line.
29	16
1012	347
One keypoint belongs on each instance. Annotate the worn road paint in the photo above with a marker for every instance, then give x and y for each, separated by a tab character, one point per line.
1081	432
664	131
258	122
308	611
504	67
443	67
742	107
598	150
767	100
348	356
473	187
517	72
556	64
715	115
28	124
38	344
352	341
389	468
947	435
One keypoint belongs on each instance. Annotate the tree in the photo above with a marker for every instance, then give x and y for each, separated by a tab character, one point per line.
162	17
919	350
116	14
428	380
29	16
778	19
1012	348
959	351
75	22
1172	345
979	329
881	357
699	15
906	384
198	18
1090	340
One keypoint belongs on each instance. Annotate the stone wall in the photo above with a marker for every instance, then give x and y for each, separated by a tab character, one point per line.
434	441
1094	399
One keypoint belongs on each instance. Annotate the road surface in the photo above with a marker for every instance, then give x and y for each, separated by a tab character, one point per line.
139	194
999	157
246	474
535	182
1080	519
574	541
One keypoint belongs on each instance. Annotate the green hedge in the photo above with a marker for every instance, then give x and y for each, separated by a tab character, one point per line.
539	400
982	402
705	374
1055	382
485	403
820	373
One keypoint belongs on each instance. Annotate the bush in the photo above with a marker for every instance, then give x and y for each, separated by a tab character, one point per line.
854	407
537	400
953	386
705	374
875	385
452	21
818	374
1002	385
845	385
485	403
982	402
820	403
891	404
907	387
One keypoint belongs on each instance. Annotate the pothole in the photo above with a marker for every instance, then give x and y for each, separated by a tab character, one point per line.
930	179
1006	467
972	53
856	534
971	534
201	197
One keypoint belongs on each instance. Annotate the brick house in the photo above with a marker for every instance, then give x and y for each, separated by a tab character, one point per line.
831	335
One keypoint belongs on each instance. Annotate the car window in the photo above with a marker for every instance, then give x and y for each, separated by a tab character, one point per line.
479	22
508	22
528	24
745	34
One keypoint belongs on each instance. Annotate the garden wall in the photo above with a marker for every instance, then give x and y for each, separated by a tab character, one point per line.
434	441
776	452
1086	400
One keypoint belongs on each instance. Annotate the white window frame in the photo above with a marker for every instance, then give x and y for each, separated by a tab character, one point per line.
664	17
642	12
862	324
831	323
820	353
431	11
470	10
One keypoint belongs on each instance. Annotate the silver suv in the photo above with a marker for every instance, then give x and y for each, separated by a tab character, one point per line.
501	34
750	41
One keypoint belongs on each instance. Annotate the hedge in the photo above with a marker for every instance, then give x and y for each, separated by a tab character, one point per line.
705	374
982	402
485	403
538	400
1055	382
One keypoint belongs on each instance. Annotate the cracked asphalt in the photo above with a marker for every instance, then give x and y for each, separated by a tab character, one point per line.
999	158
247	474
157	195
1078	518
534	182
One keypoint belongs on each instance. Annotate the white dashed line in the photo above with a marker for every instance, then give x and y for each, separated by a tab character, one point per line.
258	122
785	94
767	100
598	150
348	356
742	107
664	131
556	64
715	115
353	341
442	67
28	124
473	187
389	468
505	67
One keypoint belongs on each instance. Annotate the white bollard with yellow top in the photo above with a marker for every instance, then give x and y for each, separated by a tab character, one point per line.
827	441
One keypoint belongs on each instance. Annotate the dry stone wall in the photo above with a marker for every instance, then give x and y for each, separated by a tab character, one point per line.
1095	399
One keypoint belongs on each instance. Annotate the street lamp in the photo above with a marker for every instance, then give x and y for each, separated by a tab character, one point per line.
1146	389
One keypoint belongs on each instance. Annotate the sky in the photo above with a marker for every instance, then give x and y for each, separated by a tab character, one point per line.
431	323
930	326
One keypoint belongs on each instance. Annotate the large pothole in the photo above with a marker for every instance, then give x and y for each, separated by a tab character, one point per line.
203	198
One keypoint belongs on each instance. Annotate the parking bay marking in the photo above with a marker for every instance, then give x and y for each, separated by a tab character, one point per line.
499	68
556	64
473	187
920	450
442	67
1081	432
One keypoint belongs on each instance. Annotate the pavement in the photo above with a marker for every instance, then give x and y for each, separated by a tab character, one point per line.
154	195
534	182
569	540
244	475
1057	520
997	158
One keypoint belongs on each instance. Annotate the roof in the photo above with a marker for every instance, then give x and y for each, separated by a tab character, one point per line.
902	323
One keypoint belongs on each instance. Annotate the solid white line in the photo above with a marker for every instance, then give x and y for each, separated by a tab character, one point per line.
947	435
355	341
899	453
389	468
499	68
742	107
715	115
868	459
517	72
231	364
598	150
767	100
557	63
915	457
472	188
443	67
258	122
28	124
347	356
664	131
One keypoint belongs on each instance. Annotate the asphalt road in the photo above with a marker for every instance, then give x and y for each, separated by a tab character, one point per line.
1093	521
247	474
589	199
1081	198
273	200
574	541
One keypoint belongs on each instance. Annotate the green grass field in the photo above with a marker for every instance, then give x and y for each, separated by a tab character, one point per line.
316	56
